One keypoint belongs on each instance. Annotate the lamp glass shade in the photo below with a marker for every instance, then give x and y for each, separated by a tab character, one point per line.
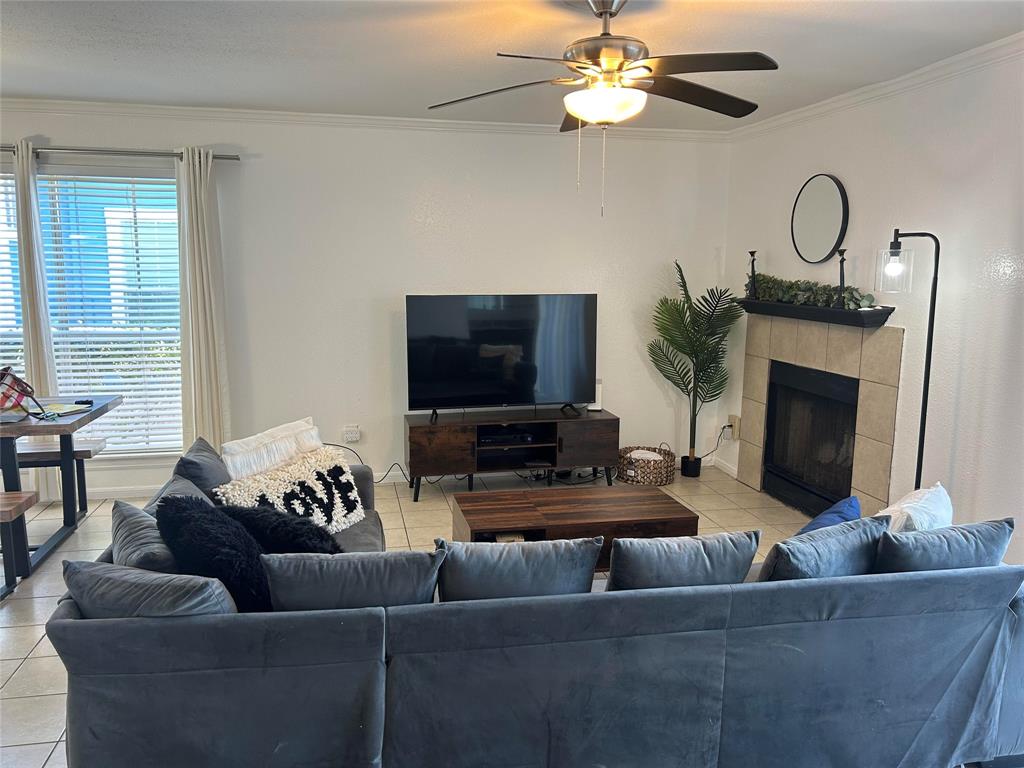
894	271
604	105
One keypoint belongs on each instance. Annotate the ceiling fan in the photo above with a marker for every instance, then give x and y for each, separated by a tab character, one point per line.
617	73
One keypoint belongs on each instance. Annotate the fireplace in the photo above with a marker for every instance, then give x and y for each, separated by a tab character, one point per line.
810	426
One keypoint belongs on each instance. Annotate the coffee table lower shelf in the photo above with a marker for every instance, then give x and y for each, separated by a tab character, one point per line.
621	511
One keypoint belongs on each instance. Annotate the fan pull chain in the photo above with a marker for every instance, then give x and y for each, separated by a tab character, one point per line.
579	153
604	144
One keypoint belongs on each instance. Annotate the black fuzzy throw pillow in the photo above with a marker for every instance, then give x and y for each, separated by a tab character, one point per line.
279	533
206	542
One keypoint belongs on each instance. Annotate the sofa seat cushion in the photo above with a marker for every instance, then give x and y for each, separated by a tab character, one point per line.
106	591
136	540
846	549
975	545
204	467
682	561
479	570
312	582
365	536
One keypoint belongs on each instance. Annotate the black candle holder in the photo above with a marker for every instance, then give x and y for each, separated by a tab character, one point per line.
752	282
840	301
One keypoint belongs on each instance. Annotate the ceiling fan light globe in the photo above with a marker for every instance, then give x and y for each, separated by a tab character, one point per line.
605	106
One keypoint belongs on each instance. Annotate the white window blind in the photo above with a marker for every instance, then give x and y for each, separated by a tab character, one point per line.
12	348
110	246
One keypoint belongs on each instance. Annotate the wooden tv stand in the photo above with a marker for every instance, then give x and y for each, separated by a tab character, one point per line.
476	442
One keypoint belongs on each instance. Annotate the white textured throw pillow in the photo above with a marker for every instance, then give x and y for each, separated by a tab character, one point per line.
921	510
316	484
273	448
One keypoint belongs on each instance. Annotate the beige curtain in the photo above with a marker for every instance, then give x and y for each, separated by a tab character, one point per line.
204	379
39	368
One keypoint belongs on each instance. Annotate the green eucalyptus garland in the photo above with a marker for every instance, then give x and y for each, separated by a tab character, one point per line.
771	288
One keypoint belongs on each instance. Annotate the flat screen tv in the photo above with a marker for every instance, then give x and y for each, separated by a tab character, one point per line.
489	351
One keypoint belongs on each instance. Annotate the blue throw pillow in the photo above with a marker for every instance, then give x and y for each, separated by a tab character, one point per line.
975	545
682	561
846	549
478	570
841	512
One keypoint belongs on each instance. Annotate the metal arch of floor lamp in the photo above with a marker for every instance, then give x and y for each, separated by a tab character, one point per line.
895	245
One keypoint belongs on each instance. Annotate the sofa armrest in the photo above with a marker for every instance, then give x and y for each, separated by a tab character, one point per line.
364	484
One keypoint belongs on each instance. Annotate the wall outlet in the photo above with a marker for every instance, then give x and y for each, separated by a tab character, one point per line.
733	433
351	433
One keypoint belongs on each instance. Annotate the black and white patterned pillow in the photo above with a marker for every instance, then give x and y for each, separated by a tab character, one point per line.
317	484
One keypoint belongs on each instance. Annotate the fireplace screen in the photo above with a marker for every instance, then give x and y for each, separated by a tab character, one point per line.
811	422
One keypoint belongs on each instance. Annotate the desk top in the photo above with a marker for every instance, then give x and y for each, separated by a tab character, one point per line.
65	425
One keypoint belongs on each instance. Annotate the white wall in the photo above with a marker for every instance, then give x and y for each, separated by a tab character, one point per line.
328	223
945	153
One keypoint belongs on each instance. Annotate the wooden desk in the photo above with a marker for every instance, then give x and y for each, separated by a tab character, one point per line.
63	427
622	511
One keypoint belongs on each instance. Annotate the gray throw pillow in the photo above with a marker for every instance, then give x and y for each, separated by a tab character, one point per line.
480	570
847	549
682	561
137	542
176	486
975	545
105	591
202	465
313	582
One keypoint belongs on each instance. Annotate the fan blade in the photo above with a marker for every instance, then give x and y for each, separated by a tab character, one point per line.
701	96
584	65
491	93
570	123
683	63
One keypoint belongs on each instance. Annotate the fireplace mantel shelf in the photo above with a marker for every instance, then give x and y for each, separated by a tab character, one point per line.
862	318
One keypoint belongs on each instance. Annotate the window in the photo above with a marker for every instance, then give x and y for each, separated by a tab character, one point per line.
110	246
12	348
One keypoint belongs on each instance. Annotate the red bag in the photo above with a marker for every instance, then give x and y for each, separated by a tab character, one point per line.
13	392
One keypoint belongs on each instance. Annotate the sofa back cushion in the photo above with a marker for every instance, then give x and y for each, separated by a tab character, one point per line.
480	570
206	542
682	561
847	549
204	467
136	540
176	486
975	545
106	591
313	582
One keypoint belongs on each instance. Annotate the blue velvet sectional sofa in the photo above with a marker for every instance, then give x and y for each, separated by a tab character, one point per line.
915	670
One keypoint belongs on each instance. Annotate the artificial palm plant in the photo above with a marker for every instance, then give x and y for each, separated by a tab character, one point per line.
690	350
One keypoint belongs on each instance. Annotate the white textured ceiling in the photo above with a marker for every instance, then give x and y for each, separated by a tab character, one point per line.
383	57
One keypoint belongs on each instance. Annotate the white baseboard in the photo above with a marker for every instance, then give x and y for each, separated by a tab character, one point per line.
721	464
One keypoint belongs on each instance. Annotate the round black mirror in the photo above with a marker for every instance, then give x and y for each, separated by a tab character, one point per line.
820	215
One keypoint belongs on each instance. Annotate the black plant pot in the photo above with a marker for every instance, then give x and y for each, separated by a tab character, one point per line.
689	467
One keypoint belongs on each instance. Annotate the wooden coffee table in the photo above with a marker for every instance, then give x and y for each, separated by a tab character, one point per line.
622	511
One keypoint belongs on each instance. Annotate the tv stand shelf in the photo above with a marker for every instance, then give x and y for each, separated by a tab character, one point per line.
477	442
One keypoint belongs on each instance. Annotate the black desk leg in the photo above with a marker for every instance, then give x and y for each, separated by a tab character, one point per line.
10	569
15	534
67	481
83	499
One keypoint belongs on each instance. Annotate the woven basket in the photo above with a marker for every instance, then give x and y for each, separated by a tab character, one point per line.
647	471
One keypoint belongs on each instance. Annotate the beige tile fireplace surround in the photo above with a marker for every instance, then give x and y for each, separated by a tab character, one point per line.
871	355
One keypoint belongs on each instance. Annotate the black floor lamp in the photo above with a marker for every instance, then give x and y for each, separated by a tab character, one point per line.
895	267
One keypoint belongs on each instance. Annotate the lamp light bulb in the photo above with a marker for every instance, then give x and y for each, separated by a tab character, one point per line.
894	267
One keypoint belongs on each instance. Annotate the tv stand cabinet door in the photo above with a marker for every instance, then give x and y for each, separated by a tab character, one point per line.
442	450
586	443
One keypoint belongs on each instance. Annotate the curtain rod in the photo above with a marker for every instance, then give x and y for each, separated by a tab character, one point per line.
121	152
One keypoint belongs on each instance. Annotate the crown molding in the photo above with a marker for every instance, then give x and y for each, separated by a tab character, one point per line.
962	64
272	117
992	54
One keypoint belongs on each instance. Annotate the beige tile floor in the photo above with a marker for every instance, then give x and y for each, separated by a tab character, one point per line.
33	684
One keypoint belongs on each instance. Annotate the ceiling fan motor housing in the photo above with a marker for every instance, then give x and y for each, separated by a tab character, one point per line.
606	50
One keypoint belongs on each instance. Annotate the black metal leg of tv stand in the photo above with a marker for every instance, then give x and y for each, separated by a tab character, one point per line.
608	475
471	482
416	489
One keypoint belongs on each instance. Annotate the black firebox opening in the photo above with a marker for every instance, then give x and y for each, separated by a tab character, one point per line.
810	422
